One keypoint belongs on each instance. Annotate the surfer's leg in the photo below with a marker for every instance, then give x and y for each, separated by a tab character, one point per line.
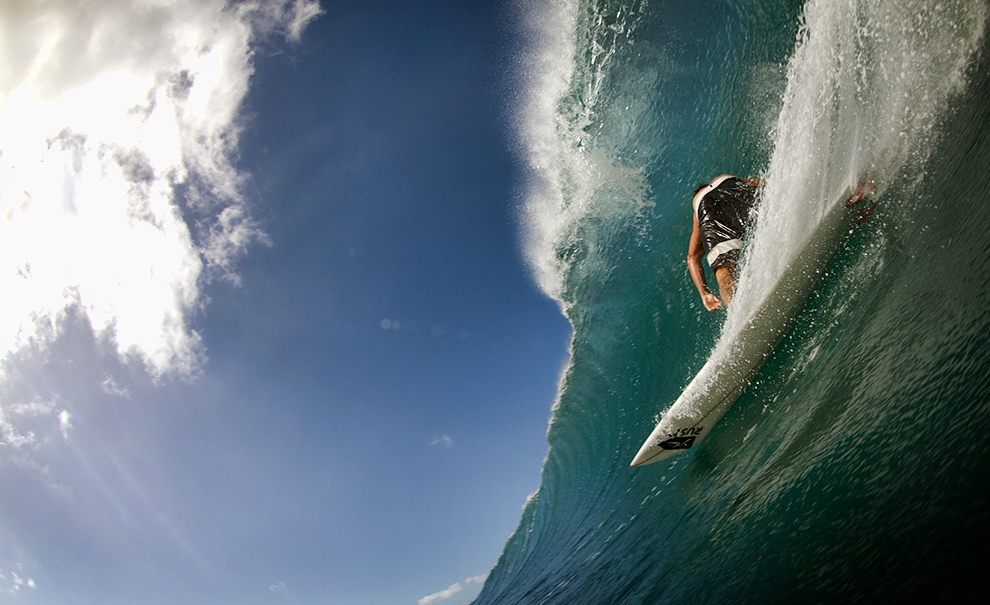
725	273
726	276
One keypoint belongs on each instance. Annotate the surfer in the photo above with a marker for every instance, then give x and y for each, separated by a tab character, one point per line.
721	214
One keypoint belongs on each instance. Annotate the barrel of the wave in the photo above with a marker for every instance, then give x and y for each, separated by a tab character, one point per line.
736	360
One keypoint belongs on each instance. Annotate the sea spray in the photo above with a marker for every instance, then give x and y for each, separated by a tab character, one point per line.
575	176
867	87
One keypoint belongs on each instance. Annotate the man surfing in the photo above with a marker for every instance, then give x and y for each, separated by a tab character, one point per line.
722	212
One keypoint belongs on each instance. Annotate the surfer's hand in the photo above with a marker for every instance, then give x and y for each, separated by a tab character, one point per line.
712	302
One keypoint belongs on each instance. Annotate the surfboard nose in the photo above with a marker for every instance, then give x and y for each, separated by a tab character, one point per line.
655	451
651	455
638	460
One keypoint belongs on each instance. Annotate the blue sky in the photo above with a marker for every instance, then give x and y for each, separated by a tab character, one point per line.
307	362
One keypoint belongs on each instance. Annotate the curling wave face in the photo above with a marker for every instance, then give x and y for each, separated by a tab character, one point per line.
861	440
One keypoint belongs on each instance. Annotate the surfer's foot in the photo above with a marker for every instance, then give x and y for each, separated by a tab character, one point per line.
861	192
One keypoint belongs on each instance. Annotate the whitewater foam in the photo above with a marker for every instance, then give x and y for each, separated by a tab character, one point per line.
573	179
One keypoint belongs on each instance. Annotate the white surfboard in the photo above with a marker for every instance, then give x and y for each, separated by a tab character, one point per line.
724	377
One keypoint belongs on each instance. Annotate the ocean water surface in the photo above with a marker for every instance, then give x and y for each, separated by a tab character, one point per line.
855	465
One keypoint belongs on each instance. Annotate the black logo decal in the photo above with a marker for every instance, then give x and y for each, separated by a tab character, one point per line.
678	443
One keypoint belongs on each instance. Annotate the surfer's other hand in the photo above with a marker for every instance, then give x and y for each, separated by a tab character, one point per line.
712	302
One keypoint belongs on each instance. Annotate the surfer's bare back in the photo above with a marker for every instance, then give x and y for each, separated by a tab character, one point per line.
721	215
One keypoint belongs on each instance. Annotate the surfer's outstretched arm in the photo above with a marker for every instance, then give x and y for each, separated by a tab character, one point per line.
696	251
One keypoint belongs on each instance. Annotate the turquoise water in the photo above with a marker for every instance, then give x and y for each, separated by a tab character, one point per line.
855	466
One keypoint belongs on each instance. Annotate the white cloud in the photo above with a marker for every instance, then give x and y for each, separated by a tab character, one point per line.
450	591
11	434
111	387
443	595
64	423
118	193
18	422
14	583
442	441
33	408
288	18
